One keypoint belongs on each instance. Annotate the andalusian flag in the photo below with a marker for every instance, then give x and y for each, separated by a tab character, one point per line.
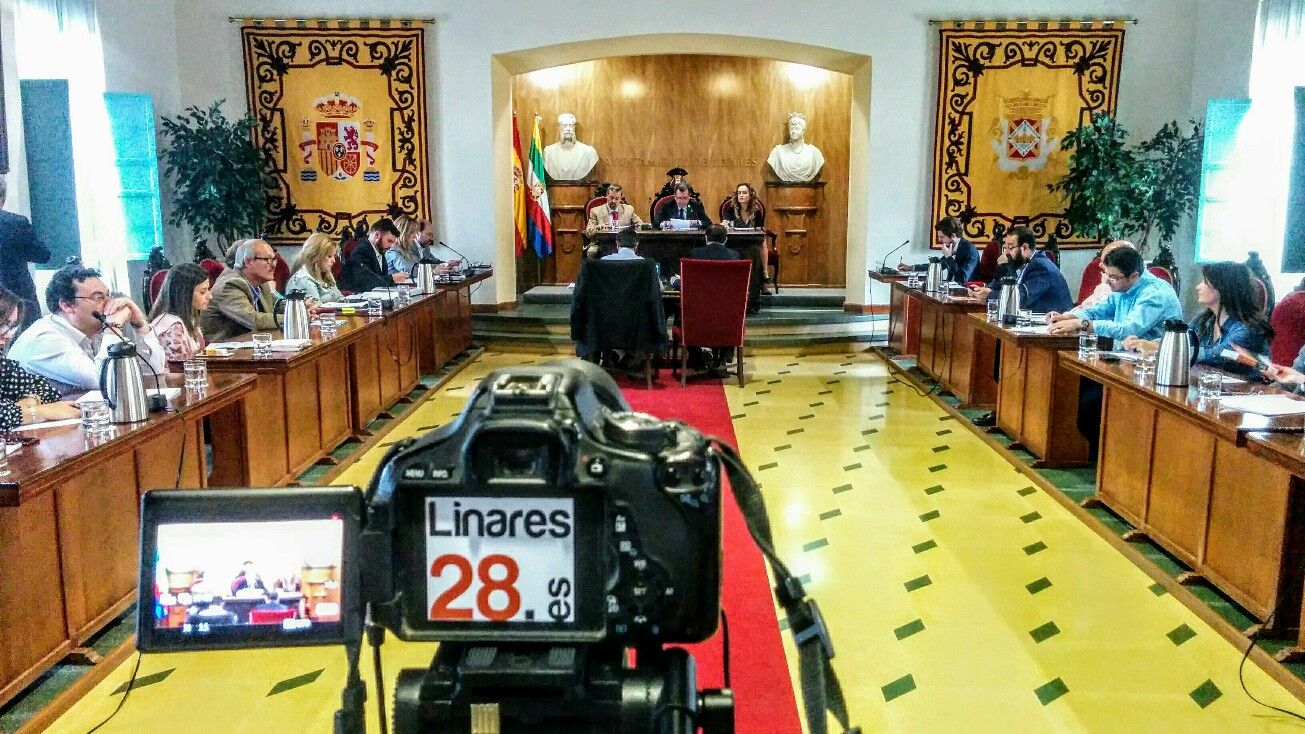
518	190
539	221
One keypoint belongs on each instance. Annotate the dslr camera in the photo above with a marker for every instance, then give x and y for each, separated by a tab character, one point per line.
551	540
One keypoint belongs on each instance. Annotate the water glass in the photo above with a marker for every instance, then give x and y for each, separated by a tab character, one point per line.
4	457
1147	355
375	309
262	346
1209	384
1024	318
1087	343
327	327
95	417
992	310
196	372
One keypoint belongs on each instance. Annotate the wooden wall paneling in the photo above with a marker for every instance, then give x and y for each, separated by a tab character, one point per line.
718	116
1124	468
388	347
304	439
333	399
1249	528
265	431
462	326
425	326
1010	390
928	335
98	542
31	594
1050	428
157	459
1177	504
409	361
364	382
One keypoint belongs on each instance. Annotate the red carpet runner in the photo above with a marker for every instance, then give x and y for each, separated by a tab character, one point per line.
763	691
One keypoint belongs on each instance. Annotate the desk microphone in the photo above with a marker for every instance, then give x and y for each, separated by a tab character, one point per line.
158	401
466	261
890	252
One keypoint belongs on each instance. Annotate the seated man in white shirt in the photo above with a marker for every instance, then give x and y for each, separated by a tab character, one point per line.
68	345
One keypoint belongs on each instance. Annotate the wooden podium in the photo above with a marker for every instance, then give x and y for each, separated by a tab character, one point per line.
792	207
568	199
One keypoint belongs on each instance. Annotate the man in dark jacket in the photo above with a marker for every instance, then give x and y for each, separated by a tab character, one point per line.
960	258
683	206
364	269
20	245
715	248
1041	285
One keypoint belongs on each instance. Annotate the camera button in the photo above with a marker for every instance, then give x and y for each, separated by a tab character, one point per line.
597	467
414	472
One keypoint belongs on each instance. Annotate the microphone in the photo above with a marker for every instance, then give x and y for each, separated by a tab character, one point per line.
890	252
466	261
158	401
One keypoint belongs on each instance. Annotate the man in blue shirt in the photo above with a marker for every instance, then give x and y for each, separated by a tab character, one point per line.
1138	305
1041	285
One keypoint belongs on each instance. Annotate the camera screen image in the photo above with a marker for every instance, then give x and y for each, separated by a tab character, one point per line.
501	559
227	582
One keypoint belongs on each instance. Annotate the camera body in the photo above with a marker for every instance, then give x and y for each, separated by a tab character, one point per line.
547	513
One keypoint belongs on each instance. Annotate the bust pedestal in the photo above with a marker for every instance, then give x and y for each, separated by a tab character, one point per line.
568	199
791	207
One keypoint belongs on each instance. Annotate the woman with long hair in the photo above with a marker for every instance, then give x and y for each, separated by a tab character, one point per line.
743	209
406	252
175	314
24	397
313	266
1231	317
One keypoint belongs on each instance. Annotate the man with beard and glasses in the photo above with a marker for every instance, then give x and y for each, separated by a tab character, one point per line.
1041	285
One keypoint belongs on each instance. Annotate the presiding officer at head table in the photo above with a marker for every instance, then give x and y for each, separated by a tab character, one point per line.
244	298
682	206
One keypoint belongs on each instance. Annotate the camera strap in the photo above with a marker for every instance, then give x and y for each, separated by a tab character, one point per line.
821	691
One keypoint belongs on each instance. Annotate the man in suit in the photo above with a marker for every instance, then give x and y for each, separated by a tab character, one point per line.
683	206
364	269
959	258
1041	285
715	248
615	214
19	245
234	308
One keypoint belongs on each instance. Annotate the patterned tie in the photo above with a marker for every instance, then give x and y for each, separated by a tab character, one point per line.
683	213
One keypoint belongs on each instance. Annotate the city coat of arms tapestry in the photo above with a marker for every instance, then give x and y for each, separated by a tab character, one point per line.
1007	93
340	108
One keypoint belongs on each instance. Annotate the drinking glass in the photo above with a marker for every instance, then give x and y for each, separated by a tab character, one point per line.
1146	358
95	417
1087	343
327	327
1209	384
992	310
374	308
196	372
1024	318
262	346
4	456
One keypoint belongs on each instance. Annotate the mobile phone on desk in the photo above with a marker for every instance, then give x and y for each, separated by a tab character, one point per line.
1245	357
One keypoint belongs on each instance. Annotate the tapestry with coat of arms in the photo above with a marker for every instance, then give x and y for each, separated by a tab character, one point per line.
1007	93
340	108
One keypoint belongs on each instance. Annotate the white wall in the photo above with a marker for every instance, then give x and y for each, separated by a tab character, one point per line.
1164	77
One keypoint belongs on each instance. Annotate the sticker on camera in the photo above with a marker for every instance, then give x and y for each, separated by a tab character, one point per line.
500	559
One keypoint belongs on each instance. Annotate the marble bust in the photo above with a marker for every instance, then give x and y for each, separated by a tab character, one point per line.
568	159
796	161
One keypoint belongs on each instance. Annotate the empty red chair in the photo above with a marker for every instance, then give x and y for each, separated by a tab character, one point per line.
1288	322
270	616
713	308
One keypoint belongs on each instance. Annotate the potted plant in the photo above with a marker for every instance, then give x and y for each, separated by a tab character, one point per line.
218	173
1114	190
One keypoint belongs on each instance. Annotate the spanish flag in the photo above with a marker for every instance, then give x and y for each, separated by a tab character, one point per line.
539	221
518	190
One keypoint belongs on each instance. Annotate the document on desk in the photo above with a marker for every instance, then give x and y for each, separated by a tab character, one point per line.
1034	329
1264	404
681	225
45	424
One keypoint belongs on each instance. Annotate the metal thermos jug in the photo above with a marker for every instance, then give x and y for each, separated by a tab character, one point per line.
1175	357
294	321
933	278
424	275
121	384
1008	302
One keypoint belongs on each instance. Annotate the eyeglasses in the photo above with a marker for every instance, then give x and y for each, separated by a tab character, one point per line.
8	328
271	259
1116	278
98	299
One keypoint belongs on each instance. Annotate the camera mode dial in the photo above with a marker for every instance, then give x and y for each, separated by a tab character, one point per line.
638	431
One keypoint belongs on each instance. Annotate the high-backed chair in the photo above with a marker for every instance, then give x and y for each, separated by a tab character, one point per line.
280	273
596	201
617	304
987	269
713	309
1261	292
1288	323
156	285
770	258
1162	273
213	268
652	211
1091	279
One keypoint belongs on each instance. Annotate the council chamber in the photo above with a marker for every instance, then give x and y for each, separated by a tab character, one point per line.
762	367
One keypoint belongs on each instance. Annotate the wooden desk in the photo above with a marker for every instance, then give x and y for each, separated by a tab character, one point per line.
953	351
903	319
1037	398
69	524
1195	479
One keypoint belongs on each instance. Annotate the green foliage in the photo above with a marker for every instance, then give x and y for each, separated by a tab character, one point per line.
218	173
1114	190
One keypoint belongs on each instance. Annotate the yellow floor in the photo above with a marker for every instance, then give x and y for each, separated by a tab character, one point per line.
960	598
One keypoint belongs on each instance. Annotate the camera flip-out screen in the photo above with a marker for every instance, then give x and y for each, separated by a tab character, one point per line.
247	568
501	559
